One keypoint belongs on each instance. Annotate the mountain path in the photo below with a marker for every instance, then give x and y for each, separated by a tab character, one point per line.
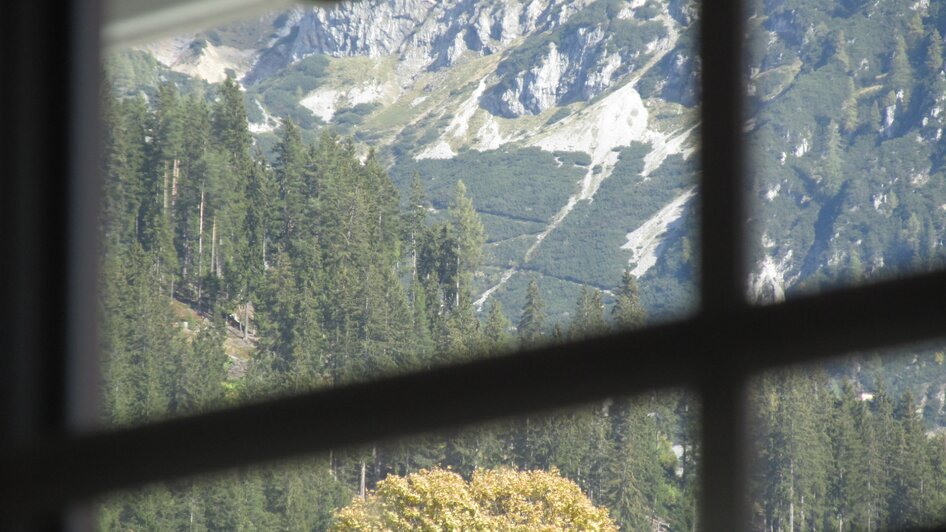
600	148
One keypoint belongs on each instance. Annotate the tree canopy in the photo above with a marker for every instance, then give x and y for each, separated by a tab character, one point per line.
500	500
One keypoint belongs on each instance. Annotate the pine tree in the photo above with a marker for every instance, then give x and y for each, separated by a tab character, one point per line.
124	165
415	220
832	159
230	123
901	73
470	236
636	484
589	314
910	482
849	477
853	272
849	112
793	455
423	340
627	312
496	330
934	54
531	325
839	43
289	168
203	371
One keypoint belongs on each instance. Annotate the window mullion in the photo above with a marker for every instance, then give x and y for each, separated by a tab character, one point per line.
722	272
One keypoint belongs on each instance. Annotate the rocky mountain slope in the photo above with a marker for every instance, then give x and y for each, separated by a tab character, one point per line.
574	125
558	95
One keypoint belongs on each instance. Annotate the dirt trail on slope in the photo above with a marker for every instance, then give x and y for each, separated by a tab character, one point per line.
615	121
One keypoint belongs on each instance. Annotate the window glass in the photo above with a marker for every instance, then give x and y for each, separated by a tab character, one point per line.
622	463
845	126
327	195
857	443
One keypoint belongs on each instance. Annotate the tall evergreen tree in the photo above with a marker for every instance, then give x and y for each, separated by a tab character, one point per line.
496	330
589	314
230	124
832	170
470	236
531	325
628	313
901	73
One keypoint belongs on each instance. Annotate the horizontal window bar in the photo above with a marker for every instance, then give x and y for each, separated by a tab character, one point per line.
49	474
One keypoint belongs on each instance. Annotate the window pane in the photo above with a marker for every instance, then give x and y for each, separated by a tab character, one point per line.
846	155
857	443
620	462
321	196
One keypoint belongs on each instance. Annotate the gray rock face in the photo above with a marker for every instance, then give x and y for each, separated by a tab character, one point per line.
424	34
576	62
551	56
579	68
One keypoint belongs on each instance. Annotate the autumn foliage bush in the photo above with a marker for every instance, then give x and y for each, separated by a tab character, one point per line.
500	499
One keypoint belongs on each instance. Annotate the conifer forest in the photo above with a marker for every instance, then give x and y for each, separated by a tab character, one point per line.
318	266
355	203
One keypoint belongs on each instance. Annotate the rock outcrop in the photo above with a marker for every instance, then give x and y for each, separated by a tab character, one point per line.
424	34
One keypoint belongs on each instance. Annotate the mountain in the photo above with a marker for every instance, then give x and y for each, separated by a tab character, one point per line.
544	152
535	105
574	125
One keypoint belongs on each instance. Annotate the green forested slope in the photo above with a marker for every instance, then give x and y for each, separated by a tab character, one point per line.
241	265
314	262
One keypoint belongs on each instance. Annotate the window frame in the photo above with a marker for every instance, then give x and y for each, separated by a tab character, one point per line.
51	458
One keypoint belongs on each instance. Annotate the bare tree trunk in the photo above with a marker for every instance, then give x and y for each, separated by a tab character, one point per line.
213	246
361	489
331	464
791	496
246	319
192	502
802	513
377	463
200	236
175	173
200	246
167	196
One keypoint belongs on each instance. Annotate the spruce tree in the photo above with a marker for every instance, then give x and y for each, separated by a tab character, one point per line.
627	312
531	325
470	236
901	73
832	173
934	54
204	371
496	330
230	122
415	220
289	168
849	477
589	315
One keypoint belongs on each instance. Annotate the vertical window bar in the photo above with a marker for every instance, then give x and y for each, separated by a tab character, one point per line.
34	148
85	191
722	272
80	411
721	190
48	51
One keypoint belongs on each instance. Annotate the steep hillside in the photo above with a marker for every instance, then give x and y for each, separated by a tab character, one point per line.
324	196
574	126
431	83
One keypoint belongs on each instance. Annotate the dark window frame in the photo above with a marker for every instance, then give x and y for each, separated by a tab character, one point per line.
50	459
